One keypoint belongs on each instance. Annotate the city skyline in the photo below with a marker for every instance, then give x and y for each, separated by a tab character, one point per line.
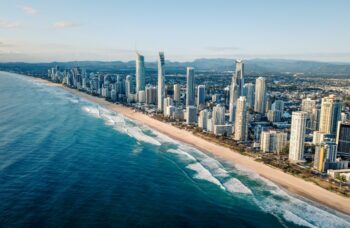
44	32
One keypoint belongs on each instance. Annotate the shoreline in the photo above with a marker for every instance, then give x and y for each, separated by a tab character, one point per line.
292	184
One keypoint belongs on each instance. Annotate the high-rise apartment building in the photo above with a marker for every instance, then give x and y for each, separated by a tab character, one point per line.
297	136
330	114
190	90
241	121
161	80
260	95
140	73
236	88
201	96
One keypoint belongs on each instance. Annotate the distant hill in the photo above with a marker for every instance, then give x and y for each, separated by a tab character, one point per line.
256	66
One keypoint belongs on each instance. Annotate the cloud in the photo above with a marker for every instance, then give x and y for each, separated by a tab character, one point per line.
29	10
2	44
9	24
65	24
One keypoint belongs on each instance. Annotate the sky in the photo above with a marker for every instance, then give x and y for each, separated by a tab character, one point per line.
70	30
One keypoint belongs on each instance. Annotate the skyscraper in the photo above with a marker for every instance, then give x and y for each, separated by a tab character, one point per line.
203	119
128	88
260	95
236	88
201	96
191	114
273	141
248	92
330	114
161	78
218	115
297	136
343	139
140	73
176	92
190	92
325	155
151	94
308	105
241	122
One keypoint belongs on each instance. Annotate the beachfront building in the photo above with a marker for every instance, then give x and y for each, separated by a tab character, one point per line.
167	102
140	73
236	88
260	95
325	156
129	89
297	137
222	130
190	90
203	119
201	97
151	95
161	80
241	120
330	114
218	115
191	114
273	141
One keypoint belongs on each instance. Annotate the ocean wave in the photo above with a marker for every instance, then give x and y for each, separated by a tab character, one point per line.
120	124
140	136
182	154
204	174
233	185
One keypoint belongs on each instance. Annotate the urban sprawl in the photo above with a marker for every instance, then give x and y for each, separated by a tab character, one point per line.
303	131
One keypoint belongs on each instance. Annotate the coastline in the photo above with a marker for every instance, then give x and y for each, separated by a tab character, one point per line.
291	183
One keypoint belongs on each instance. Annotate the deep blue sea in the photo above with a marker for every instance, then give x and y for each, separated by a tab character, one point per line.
65	161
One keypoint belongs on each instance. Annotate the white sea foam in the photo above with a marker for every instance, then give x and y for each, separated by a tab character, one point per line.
182	154
203	174
139	135
233	185
120	124
92	111
289	216
215	166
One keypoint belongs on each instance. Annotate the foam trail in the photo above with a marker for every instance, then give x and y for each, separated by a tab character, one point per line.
139	135
289	216
204	174
233	185
182	154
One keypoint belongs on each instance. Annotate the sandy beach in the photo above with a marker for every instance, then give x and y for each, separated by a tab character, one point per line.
293	184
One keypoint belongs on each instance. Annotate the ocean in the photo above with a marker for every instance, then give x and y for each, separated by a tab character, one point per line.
65	161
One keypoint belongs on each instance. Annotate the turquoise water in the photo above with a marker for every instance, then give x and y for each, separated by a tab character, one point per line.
65	161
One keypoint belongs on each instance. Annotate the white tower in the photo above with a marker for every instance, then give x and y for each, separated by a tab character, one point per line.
241	123
297	136
161	63
260	95
140	73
